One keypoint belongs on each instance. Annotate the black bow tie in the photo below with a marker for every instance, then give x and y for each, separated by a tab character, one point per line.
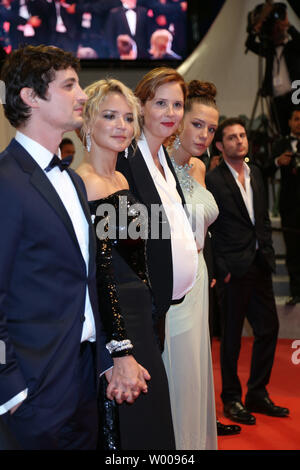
61	163
128	9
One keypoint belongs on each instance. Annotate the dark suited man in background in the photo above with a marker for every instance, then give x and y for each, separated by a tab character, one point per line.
28	21
67	148
64	22
132	20
279	42
286	154
95	36
49	319
244	259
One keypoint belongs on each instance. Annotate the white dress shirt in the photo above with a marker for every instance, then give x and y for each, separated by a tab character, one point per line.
64	187
246	192
184	249
131	20
281	77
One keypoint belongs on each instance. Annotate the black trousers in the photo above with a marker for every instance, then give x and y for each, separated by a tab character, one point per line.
71	424
251	297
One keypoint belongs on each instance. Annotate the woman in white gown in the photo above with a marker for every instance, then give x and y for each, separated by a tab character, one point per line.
187	352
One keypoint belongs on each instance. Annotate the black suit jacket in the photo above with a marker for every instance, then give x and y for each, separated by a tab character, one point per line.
72	21
159	251
35	8
289	195
117	24
233	234
43	283
291	53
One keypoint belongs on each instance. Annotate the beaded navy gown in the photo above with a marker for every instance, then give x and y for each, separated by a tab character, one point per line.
125	303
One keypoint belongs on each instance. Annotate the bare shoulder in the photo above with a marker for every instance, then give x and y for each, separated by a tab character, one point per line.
99	187
94	184
198	170
123	181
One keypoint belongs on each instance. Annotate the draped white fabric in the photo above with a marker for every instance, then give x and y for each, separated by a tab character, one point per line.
187	352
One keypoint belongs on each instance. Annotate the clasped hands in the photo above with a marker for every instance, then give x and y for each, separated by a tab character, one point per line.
126	380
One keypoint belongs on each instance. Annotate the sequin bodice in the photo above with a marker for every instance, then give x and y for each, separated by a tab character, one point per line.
120	225
201	204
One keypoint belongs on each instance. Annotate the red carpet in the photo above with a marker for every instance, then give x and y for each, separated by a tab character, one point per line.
284	389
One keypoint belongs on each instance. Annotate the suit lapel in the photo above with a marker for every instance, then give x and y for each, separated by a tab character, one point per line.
231	183
139	30
125	22
178	187
142	178
86	210
255	190
41	183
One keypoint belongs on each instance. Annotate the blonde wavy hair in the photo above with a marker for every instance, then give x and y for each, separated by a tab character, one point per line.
97	92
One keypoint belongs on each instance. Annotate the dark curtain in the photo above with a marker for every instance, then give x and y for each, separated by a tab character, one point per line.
201	14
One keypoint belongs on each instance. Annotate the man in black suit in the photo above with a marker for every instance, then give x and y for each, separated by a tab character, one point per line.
28	22
63	23
279	42
95	36
286	154
132	20
244	259
49	318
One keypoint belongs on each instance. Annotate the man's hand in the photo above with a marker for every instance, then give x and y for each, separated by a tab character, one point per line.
227	278
34	21
284	159
126	380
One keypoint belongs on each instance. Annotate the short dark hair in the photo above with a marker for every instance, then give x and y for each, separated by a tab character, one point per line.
33	67
293	110
66	141
226	123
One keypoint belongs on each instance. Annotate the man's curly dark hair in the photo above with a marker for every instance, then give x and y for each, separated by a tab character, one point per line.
33	67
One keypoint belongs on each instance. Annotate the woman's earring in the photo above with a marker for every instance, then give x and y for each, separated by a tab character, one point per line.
177	142
126	152
208	152
88	141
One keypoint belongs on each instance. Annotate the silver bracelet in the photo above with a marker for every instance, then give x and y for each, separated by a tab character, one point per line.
116	346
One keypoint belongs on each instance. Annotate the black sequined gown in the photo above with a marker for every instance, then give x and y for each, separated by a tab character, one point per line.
126	306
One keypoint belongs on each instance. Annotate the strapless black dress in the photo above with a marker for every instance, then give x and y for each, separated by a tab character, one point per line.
125	303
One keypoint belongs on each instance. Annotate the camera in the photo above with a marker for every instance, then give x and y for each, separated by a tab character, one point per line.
268	15
295	157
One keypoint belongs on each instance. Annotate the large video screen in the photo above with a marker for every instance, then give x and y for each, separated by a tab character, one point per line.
98	29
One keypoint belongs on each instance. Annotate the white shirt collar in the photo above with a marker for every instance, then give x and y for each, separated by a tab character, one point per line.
40	154
235	173
154	171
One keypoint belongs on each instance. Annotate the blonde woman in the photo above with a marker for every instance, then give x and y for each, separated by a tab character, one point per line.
125	301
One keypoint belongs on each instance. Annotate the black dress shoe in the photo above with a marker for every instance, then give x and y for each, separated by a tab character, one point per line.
293	300
236	411
227	429
266	407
